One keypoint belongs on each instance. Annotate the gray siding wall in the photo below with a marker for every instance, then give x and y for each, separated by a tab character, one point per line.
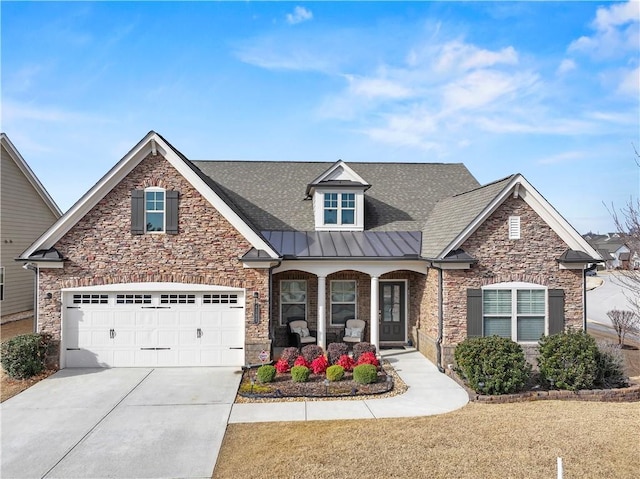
24	216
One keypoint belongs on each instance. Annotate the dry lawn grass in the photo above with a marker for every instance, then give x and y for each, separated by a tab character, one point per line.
595	440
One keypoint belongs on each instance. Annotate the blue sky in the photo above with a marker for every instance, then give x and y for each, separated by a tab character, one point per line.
549	90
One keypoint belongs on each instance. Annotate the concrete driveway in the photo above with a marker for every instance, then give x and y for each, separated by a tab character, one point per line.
118	423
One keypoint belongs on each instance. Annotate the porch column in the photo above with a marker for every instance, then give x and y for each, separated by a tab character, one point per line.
322	320
375	332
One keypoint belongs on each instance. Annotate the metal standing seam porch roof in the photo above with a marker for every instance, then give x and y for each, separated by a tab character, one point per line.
345	244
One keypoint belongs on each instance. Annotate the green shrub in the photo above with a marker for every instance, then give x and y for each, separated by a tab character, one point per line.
335	373
335	351
300	374
23	356
266	373
363	347
492	365
569	360
365	374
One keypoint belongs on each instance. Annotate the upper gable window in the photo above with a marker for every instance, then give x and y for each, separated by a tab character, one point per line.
154	199
154	210
339	208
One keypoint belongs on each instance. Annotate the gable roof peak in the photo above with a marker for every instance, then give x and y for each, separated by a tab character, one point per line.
340	174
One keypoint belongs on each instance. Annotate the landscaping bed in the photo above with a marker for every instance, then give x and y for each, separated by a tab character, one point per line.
284	388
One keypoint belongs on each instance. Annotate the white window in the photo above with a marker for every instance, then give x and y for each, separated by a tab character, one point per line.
2	283
518	311
343	301
339	208
514	227
154	210
293	300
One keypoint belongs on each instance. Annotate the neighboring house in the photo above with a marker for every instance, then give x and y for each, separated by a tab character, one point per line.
614	249
26	210
170	262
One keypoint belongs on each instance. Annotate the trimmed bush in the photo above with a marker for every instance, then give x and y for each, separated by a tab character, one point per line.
346	362
569	360
311	351
335	350
319	365
282	366
300	374
492	365
335	373
362	347
365	374
301	361
290	355
266	373
368	358
23	356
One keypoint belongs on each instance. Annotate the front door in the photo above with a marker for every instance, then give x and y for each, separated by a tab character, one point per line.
392	311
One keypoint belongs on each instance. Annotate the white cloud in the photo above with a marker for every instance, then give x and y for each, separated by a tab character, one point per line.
616	32
299	15
377	87
630	83
463	57
566	66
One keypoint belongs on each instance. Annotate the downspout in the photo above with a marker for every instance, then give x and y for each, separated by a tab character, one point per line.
32	267
584	294
440	321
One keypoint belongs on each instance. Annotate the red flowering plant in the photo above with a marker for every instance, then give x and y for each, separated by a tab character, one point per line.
301	361
346	362
319	365
368	358
282	366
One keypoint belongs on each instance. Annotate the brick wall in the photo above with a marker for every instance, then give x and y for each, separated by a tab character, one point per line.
101	250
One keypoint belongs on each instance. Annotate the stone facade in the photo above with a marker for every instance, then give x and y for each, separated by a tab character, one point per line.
532	259
101	250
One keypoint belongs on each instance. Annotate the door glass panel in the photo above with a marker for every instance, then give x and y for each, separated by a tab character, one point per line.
391	303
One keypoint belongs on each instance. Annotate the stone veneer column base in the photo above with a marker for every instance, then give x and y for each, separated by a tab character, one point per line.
427	346
252	351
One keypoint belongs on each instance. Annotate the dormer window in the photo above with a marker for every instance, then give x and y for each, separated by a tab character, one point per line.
338	199
339	208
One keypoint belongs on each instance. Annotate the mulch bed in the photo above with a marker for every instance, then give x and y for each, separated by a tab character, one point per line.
284	388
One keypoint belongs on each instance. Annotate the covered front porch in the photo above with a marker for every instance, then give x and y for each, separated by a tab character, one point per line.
386	294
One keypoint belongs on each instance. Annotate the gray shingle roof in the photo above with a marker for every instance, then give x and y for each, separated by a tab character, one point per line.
271	195
452	215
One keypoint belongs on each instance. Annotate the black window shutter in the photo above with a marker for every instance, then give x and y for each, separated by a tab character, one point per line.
137	212
172	212
474	313
556	311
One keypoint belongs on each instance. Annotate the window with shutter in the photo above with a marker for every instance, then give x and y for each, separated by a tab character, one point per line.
520	311
154	210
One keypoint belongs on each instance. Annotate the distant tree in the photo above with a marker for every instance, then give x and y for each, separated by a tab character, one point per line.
627	222
624	322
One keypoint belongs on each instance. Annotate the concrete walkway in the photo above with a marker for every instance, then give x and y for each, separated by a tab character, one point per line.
430	392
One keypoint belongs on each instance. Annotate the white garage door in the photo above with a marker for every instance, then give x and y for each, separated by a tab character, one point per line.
152	329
